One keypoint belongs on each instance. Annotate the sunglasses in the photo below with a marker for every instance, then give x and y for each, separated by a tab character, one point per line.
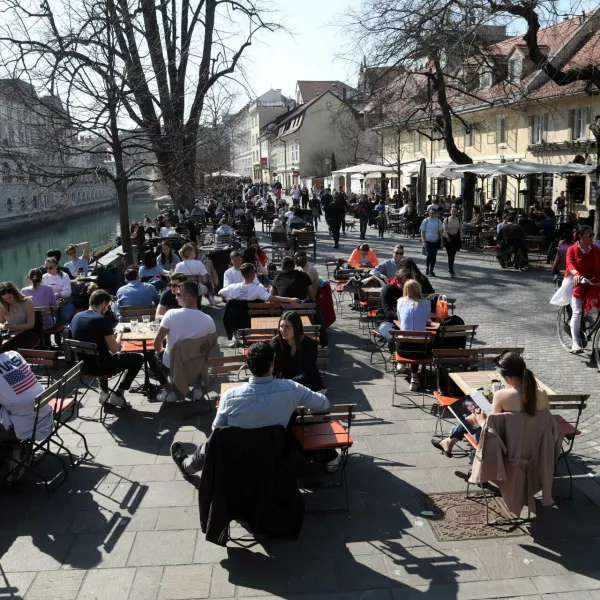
398	253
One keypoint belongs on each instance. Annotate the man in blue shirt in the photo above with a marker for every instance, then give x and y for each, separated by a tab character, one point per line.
386	270
262	402
74	264
134	292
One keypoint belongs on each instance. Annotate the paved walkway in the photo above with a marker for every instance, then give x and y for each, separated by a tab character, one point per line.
125	527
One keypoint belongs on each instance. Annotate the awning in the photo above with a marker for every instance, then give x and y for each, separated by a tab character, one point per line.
365	168
225	174
523	168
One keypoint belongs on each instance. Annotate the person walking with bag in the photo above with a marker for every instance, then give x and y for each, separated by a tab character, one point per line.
452	232
432	238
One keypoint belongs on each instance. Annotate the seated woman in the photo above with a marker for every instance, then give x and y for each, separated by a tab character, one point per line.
387	311
167	230
195	270
521	395
41	295
60	283
17	316
261	256
363	256
413	314
150	267
166	258
477	217
415	273
296	353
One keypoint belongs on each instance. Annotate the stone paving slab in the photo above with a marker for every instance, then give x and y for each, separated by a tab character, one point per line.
126	527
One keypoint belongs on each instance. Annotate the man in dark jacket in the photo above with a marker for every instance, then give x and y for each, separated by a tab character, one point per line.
335	213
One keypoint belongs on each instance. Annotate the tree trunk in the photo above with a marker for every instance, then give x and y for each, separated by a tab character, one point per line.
121	185
469	195
595	129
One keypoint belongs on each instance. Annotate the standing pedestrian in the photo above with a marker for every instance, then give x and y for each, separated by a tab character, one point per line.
344	199
432	238
304	197
315	209
381	222
560	203
362	211
326	200
452	228
296	193
334	214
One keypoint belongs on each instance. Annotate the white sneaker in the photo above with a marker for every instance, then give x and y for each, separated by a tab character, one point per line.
576	349
119	401
104	396
170	397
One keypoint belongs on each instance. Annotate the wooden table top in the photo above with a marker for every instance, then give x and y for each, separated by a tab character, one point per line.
272	322
144	333
228	386
471	381
372	290
433	326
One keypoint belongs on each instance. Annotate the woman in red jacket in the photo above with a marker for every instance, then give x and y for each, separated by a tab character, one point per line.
583	260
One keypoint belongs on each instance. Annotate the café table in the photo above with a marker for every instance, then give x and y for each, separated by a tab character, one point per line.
432	327
273	322
471	381
229	385
144	333
371	290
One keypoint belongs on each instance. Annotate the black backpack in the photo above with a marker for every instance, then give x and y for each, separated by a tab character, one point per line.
453	342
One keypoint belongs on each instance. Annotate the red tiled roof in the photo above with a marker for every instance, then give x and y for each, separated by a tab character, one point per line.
311	89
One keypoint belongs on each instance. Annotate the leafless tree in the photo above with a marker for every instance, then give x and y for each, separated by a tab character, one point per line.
426	44
585	72
320	161
163	59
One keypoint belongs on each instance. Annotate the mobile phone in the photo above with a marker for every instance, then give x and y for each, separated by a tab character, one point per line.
430	514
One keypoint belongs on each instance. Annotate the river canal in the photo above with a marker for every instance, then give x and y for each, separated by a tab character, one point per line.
25	249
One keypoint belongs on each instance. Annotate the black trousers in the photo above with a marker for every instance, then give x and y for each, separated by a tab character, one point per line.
452	248
130	364
335	231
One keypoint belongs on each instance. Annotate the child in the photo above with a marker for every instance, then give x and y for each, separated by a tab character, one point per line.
381	223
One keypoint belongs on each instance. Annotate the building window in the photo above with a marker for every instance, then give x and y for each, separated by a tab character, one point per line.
502	130
417	141
538	129
486	78
468	136
515	68
580	118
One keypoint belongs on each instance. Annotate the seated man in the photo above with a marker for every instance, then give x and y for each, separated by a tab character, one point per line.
302	264
18	390
262	402
387	269
234	273
237	296
363	256
134	292
292	283
94	327
184	323
168	298
511	238
78	265
224	228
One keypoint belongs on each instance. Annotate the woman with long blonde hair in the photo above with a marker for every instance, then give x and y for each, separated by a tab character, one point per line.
17	316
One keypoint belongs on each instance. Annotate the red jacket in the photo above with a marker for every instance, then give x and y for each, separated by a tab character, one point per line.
587	265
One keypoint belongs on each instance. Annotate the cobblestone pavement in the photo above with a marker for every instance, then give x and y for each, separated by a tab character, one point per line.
125	526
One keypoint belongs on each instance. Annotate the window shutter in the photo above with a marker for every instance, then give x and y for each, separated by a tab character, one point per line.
572	123
546	128
532	129
586	122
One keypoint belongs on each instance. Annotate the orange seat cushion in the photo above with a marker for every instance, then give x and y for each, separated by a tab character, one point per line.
412	361
444	400
372	313
133	347
568	431
57	408
318	436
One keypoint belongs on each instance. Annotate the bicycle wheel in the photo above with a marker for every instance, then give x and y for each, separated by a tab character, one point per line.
563	326
596	348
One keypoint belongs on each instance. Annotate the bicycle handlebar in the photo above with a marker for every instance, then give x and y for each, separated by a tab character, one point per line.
585	280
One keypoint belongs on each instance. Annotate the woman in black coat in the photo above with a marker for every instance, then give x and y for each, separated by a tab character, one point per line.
296	353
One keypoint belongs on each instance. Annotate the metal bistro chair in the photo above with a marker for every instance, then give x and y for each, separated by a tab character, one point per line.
79	349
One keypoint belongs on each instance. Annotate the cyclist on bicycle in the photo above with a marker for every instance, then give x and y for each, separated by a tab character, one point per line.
583	261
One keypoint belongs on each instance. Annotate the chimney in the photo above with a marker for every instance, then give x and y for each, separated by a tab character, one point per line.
344	93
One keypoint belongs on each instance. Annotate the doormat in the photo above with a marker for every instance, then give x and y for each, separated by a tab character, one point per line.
464	518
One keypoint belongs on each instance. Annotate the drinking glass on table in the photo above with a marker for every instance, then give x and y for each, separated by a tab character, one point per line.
133	323
146	319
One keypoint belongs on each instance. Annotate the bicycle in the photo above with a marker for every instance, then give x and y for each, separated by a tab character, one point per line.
590	331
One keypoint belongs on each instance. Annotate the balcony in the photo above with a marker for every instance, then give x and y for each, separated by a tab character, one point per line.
579	146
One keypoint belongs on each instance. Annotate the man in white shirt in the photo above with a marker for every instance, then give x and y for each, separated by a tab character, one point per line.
179	324
167	229
236	317
234	274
